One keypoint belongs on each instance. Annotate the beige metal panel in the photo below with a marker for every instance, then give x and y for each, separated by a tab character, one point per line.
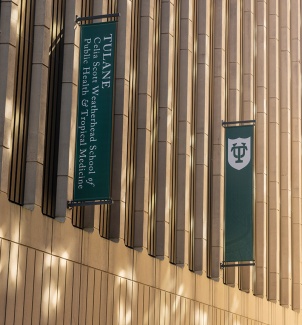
29	286
187	311
173	310
62	288
20	286
219	106
144	268
140	304
152	200
10	220
167	314
261	150
37	288
116	300
143	124
151	317
9	22
296	164
64	190
184	275
133	291
97	297
110	299
183	136
157	306
163	190
36	127
46	289
120	121
117	217
13	265
99	7
162	308
202	133
66	240
177	309
122	312
4	272
104	294
54	294
76	291
181	310
83	294
273	152
285	157
68	295
94	250
90	296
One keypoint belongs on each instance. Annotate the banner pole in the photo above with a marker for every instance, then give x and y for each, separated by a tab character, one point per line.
79	19
238	122
223	265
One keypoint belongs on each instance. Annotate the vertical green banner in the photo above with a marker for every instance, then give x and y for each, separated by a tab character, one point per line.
94	117
238	231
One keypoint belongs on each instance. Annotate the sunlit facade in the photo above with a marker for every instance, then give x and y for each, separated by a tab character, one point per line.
153	256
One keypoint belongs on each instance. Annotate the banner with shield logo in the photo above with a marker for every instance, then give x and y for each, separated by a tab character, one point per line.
238	231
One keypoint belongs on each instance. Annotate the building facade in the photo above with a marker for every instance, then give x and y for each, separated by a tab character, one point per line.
152	257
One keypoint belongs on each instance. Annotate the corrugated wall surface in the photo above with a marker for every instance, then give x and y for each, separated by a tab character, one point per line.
153	257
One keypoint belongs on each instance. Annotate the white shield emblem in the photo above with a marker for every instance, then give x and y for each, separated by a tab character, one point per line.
239	152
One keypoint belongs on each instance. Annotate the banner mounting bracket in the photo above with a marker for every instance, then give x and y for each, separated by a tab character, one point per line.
224	123
71	204
79	19
223	265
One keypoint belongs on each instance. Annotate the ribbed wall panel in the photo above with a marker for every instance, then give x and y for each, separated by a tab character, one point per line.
175	219
53	111
296	160
165	124
218	107
152	199
261	154
273	151
132	220
25	35
60	291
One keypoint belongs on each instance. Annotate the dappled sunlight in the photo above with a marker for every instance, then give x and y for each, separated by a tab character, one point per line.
8	116
51	294
54	296
180	290
65	255
236	322
13	264
122	273
128	317
45	302
235	304
47	260
203	315
197	317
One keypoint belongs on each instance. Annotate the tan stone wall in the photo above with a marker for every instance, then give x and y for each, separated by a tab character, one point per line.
181	68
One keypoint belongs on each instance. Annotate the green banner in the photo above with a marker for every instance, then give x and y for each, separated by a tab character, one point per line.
238	231
94	118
